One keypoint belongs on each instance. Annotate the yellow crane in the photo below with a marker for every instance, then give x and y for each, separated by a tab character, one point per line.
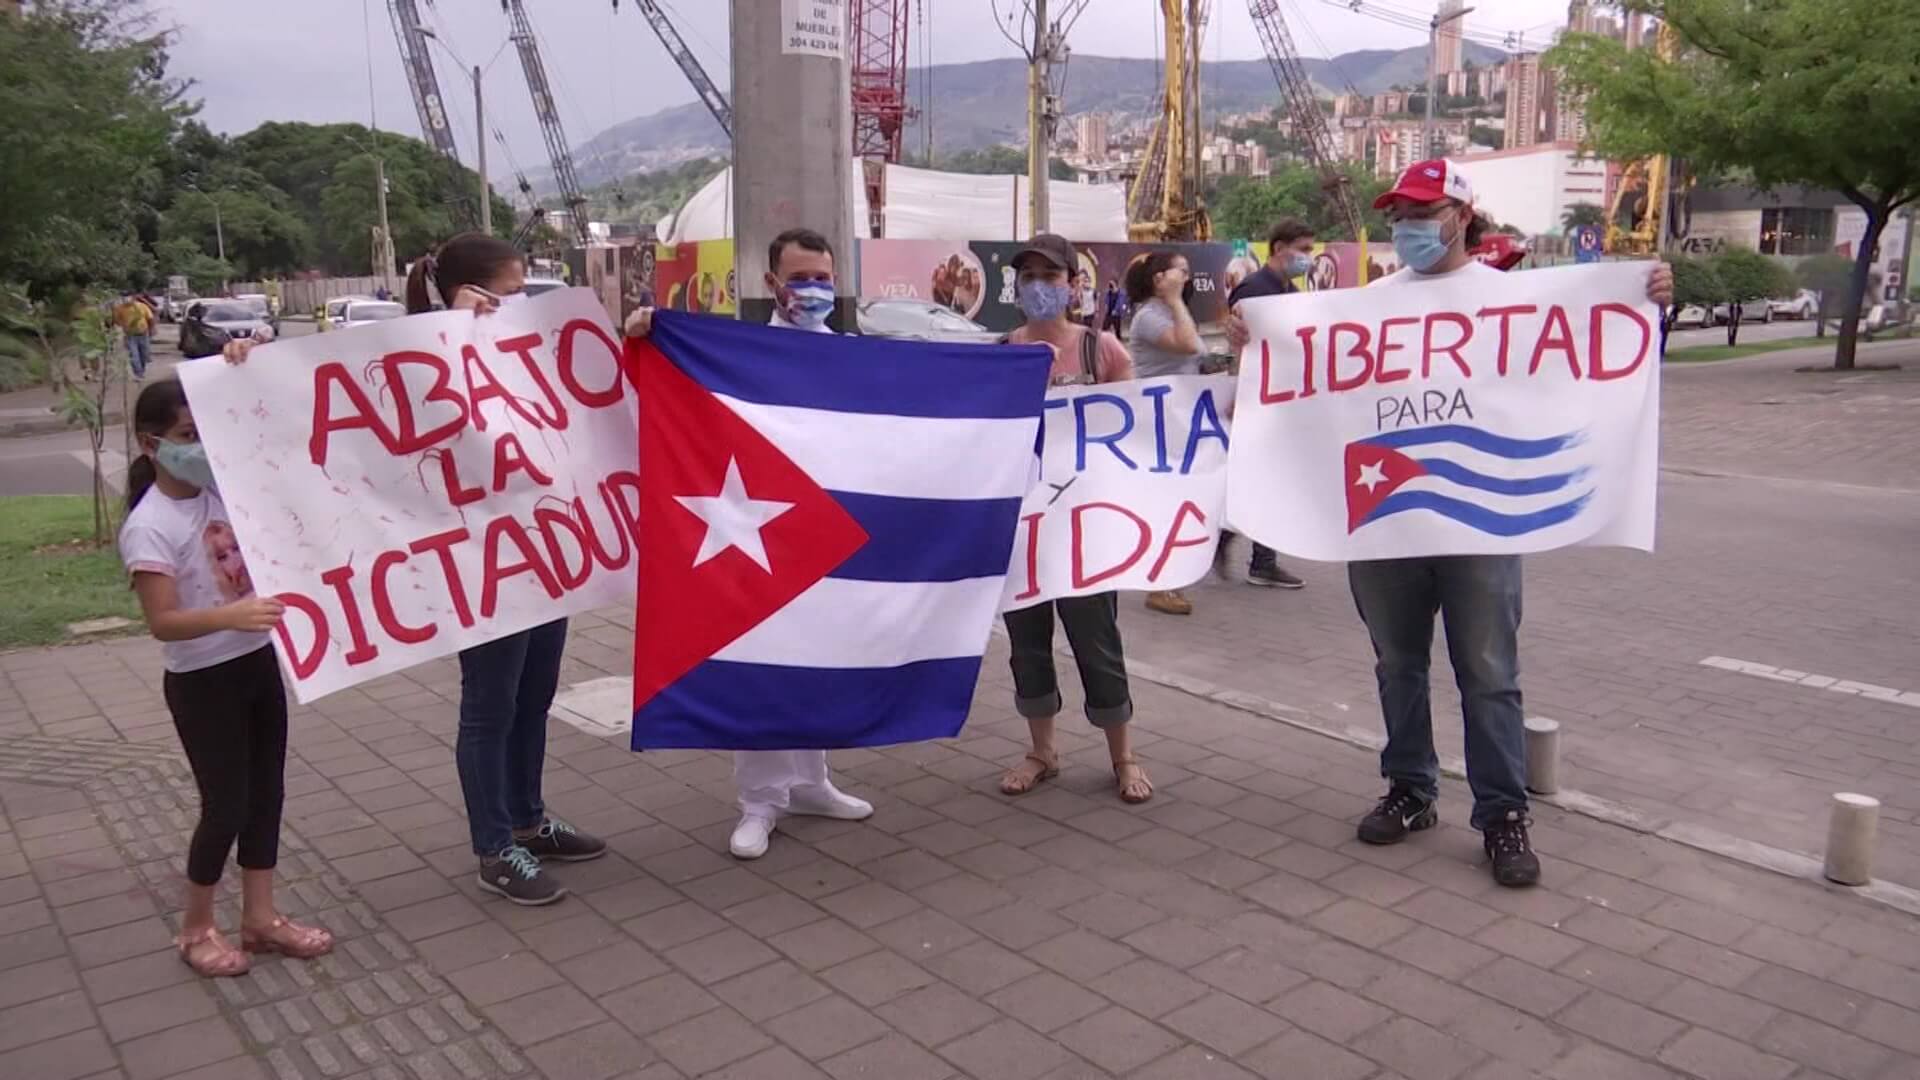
1637	218
1164	203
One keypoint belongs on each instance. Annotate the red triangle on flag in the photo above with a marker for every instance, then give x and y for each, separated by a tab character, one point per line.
698	593
1372	473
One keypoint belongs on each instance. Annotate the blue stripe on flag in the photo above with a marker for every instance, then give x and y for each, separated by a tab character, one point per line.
929	539
739	706
1530	485
1478	517
855	374
1475	438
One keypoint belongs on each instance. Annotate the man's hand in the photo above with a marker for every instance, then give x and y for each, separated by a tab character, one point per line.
1237	333
640	323
1660	284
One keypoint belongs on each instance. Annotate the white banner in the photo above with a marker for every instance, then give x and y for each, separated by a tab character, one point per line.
1132	482
1475	413
416	487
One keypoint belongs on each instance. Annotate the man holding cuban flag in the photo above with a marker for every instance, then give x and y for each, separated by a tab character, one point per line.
824	534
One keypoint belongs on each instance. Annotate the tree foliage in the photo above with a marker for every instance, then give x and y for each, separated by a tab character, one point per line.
646	197
1246	210
1580	215
1695	284
1816	92
1746	276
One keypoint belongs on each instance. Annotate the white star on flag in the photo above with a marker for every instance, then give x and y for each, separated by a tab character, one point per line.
733	519
1370	477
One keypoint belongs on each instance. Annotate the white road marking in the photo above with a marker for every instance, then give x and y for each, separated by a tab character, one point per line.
599	707
1817	682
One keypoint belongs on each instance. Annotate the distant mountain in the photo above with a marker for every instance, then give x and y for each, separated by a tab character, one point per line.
984	104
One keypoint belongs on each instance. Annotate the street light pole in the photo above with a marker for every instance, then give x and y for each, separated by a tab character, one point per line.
1433	72
480	141
385	255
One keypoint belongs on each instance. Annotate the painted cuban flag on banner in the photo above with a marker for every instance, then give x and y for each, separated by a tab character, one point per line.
825	528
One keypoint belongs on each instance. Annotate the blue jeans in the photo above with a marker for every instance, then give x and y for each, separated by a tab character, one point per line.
139	353
1479	598
506	687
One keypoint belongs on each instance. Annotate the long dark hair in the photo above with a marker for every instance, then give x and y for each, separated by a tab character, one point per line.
1141	274
154	411
470	258
1477	229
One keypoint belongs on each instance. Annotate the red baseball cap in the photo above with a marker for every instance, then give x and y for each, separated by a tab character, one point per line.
1426	182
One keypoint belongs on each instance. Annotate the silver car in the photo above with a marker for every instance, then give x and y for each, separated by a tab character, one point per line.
210	324
921	320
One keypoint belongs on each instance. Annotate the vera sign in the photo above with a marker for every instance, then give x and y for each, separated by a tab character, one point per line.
415	487
1132	483
1475	413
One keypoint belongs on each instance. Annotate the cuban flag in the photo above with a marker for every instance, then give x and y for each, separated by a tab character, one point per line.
825	526
1497	485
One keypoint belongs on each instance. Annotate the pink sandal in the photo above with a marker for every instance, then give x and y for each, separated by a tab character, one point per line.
218	960
289	939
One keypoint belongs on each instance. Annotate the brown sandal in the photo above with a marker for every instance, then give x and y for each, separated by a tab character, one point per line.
1019	780
216	960
1129	792
289	939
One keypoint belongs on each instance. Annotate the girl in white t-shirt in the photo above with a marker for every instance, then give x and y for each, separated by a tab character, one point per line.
222	683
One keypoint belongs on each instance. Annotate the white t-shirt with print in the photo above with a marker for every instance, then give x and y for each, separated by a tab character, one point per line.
1474	268
192	542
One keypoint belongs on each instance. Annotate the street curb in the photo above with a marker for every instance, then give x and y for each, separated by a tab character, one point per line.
1783	861
51	425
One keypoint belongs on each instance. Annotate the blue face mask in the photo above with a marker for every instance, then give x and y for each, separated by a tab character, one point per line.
185	462
1419	244
1298	264
809	303
1041	300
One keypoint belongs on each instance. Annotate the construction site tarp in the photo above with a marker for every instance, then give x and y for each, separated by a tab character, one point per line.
923	204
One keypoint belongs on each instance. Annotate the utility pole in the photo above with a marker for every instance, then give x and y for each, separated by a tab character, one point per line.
1433	73
383	268
1039	207
480	139
792	144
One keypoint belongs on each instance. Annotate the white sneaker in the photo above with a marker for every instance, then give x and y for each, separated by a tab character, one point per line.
828	801
750	836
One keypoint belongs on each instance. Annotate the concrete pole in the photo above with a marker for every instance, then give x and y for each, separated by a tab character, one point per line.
1433	68
480	137
793	163
1543	755
1039	206
1852	829
384	257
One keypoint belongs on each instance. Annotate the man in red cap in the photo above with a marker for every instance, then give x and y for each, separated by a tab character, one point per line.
1434	225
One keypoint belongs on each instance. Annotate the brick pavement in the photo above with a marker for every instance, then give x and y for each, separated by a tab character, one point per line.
1789	514
1230	928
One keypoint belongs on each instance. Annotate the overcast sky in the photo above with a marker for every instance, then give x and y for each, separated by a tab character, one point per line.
253	61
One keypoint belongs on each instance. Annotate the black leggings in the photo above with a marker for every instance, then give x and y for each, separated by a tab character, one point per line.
232	720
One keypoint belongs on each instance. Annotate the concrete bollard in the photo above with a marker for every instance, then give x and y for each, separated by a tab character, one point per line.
1852	831
1543	755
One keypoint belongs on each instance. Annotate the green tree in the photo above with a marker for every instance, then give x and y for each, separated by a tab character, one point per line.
1583	214
1247	210
1694	285
1817	92
1748	277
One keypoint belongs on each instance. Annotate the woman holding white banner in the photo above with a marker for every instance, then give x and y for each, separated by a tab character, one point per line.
1164	340
1092	622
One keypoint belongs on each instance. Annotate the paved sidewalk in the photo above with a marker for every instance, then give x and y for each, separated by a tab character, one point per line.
31	411
1230	928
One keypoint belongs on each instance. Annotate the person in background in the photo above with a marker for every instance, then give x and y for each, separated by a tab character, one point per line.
383	293
774	783
1478	596
1085	304
222	684
1163	340
1116	307
134	316
1092	623
1289	256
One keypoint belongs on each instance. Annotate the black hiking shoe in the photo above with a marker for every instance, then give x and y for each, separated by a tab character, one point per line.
561	842
515	874
1270	574
1511	852
1400	811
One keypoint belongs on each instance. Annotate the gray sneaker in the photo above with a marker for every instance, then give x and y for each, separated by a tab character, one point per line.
515	874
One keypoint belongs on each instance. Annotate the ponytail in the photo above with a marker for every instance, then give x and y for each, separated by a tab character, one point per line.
154	411
470	258
419	299
1477	229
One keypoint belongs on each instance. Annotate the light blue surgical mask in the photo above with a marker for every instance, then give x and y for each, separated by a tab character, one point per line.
1041	300
1419	244
1298	264
809	303
185	462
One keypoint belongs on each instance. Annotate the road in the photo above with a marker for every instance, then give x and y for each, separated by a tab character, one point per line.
1749	332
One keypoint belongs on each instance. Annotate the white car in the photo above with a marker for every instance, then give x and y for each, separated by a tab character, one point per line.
537	285
334	310
1801	305
362	312
1692	315
1760	311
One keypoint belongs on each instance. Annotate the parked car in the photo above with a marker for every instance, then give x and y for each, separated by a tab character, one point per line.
1760	311
210	324
262	305
361	312
537	285
921	320
1801	305
333	311
1693	315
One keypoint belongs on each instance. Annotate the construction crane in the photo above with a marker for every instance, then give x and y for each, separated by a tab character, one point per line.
1164	203
548	114
1303	106
432	108
880	111
709	94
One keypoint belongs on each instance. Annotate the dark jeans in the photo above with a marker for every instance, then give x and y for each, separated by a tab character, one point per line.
506	687
1478	596
232	720
1093	629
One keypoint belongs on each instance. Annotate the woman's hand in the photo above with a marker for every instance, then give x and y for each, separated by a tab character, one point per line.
478	301
236	352
640	323
1168	283
1237	333
1660	284
255	614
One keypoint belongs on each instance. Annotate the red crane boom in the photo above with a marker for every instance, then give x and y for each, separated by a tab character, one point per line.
879	77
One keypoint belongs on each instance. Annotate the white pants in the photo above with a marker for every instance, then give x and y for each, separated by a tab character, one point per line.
766	777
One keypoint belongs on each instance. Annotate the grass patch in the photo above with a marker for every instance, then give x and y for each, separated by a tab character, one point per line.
51	573
1694	354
